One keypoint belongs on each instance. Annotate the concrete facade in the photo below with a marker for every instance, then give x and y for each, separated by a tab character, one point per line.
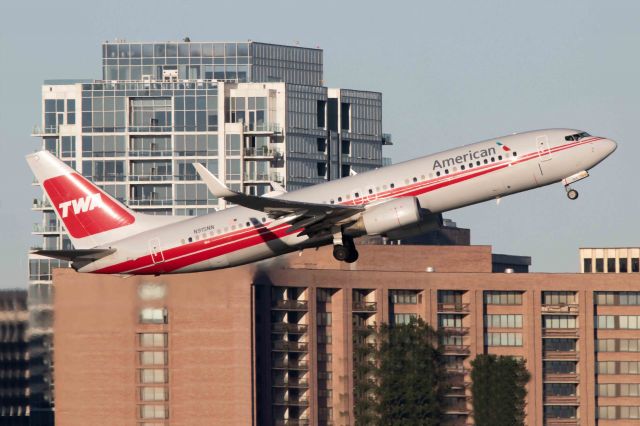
273	344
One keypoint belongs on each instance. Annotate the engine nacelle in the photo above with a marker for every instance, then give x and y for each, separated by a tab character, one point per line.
388	216
429	222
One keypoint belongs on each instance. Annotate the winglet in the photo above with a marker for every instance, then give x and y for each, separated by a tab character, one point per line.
216	187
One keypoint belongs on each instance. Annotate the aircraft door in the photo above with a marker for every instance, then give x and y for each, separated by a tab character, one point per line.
156	251
544	151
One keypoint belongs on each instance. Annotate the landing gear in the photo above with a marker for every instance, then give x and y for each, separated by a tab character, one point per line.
344	249
572	193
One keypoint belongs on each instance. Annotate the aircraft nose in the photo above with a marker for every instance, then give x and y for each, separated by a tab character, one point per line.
609	146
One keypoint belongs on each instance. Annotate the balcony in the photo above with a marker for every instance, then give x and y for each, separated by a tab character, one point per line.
560	377
277	177
286	327
289	364
561	400
41	205
151	153
263	152
290	305
562	422
291	401
561	309
263	128
293	422
560	355
456	308
287	346
39	228
458	408
260	177
46	131
560	332
456	349
456	331
291	382
360	306
455	370
150	178
150	202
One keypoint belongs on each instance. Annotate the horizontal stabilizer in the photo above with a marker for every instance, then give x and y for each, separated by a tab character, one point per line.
86	255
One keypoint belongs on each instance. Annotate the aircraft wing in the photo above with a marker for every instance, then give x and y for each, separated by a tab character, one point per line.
310	216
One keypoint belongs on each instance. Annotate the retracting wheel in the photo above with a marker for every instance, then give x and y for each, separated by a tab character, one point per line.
341	253
572	194
344	249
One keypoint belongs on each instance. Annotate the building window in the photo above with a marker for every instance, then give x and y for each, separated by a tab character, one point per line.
154	393
153	375
559	345
450	321
560	367
635	264
324	294
503	297
622	265
324	318
322	169
611	265
154	411
404	318
157	340
599	265
153	357
321	114
559	298
559	321
403	297
345	116
560	412
503	321
150	112
153	316
607	412
618	298
560	389
321	144
587	265
503	339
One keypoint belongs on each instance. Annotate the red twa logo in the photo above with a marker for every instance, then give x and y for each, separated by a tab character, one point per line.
81	205
84	209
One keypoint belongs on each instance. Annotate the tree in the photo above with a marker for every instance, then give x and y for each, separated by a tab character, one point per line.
407	385
499	390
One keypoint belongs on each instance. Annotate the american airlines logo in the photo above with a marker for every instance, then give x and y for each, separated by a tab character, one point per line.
81	205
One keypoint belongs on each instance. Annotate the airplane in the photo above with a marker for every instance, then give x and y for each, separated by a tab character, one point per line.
396	201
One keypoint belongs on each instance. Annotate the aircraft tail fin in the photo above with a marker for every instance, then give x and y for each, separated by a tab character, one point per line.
91	217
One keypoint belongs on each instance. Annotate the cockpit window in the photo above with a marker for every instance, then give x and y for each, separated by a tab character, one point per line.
577	136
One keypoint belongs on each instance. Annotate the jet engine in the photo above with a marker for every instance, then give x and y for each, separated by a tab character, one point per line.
391	217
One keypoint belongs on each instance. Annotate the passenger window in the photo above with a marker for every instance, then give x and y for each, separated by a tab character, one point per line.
393	185
356	195
515	154
264	219
371	191
462	167
339	199
190	239
486	161
499	157
493	159
446	171
478	163
331	201
437	173
248	224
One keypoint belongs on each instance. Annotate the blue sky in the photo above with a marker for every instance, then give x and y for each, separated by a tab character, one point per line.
451	73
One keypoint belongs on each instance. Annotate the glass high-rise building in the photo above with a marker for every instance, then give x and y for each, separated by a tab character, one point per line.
253	113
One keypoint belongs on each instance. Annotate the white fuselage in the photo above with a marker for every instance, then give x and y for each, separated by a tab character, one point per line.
440	182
